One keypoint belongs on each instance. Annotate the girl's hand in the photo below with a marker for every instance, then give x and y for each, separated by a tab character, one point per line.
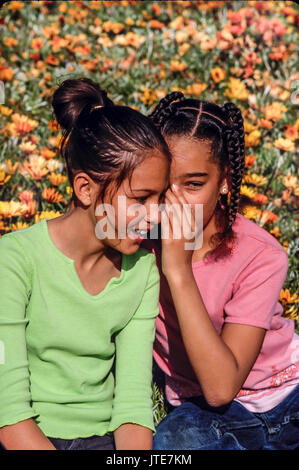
178	229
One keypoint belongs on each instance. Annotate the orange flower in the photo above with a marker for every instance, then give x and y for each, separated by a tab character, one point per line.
260	199
284	144
51	30
53	125
10	168
21	125
274	111
156	9
57	179
3	178
196	89
6	73
177	66
11	209
10	42
27	147
36	43
116	28
268	217
15	6
287	298
155	24
291	132
34	168
26	196
47	153
208	44
51	195
218	74
249	160
29	209
265	124
52	60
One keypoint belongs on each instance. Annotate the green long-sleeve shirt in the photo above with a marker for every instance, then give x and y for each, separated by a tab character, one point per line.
58	342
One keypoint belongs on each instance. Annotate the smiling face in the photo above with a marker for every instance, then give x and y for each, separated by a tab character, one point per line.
137	207
194	172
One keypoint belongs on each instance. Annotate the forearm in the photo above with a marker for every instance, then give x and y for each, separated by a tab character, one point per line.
213	362
131	436
25	435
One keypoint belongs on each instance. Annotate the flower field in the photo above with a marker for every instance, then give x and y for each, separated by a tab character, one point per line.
243	52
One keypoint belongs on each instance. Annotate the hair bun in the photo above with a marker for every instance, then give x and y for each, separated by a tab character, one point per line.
72	96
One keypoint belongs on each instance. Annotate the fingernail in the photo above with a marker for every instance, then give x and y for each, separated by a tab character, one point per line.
175	187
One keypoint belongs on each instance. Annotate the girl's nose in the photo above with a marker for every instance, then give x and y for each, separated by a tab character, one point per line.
153	216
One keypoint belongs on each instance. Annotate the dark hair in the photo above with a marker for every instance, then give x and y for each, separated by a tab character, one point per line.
104	140
223	127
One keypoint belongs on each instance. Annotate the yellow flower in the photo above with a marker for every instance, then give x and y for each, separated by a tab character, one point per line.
57	179
19	226
69	190
27	147
47	215
5	110
287	298
275	231
290	181
249	192
15	6
236	90
274	111
196	89
249	127
284	144
256	180
251	212
12	209
10	42
149	96
21	125
3	179
10	168
252	139
181	36
218	74
177	66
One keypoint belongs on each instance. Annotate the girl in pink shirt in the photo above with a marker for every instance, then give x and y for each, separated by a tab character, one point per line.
229	358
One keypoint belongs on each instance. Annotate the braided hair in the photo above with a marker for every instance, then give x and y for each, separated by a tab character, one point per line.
104	140
176	115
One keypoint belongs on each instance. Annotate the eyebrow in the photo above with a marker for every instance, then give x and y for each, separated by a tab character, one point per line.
149	190
189	175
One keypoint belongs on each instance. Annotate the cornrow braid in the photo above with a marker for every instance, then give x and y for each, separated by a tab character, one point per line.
165	108
234	134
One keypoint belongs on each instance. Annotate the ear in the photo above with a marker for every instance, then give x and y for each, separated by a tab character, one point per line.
85	188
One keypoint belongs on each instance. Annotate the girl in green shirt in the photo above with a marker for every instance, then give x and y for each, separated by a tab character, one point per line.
79	298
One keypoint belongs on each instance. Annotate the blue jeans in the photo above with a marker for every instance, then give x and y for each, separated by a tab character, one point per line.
85	443
195	425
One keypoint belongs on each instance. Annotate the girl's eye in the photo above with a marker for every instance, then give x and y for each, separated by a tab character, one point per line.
141	199
194	184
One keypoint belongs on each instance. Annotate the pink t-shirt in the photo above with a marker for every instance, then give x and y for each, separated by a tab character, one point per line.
242	287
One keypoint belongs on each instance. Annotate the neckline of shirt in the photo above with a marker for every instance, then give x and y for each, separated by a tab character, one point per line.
113	280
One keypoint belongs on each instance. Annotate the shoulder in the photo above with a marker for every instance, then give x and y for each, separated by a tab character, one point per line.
253	238
21	245
257	253
24	238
